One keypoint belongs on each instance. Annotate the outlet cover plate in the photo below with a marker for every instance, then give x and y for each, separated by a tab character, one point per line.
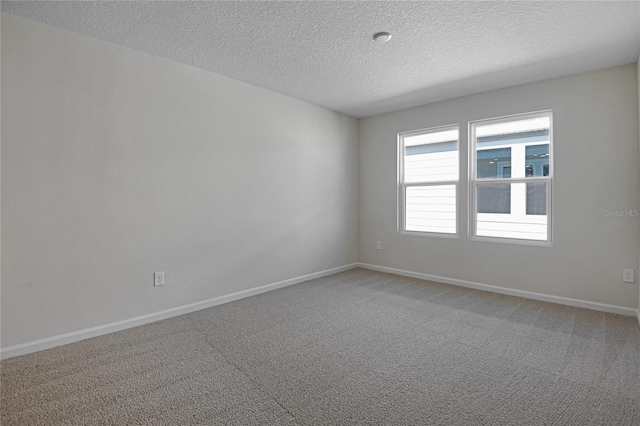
158	279
628	275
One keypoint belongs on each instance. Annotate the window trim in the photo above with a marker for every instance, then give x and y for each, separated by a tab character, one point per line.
473	180
401	185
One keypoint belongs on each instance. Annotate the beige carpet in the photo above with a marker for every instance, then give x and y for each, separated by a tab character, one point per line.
358	347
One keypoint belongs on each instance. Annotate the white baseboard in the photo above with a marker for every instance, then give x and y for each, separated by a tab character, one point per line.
638	316
511	292
75	336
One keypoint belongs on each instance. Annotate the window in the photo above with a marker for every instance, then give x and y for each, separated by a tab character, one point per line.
428	180
511	177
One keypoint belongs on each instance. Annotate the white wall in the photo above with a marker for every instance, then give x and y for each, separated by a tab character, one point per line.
638	187
116	164
596	169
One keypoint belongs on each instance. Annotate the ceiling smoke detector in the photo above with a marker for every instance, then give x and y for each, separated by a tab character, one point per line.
382	37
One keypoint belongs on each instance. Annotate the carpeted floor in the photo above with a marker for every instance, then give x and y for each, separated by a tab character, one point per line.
359	347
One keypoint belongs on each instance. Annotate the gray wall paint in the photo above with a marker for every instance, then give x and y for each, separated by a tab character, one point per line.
638	187
116	164
596	168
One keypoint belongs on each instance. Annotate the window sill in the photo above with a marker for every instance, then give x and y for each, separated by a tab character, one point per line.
430	234
512	241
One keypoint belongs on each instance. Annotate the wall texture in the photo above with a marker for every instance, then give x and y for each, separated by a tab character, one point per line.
596	169
116	164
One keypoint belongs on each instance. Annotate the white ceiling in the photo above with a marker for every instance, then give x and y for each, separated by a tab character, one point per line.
323	53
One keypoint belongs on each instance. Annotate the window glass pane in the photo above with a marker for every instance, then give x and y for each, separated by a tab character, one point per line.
537	160
537	198
497	131
512	210
431	157
494	163
431	208
494	198
513	149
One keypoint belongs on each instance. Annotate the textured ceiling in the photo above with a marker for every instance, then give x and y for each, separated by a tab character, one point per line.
323	53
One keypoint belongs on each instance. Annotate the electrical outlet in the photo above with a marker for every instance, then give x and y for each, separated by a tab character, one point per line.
628	275
378	245
158	279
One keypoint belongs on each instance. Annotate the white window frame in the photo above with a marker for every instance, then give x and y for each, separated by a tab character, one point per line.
402	186
473	181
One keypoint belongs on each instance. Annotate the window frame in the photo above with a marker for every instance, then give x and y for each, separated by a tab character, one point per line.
473	180
402	186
